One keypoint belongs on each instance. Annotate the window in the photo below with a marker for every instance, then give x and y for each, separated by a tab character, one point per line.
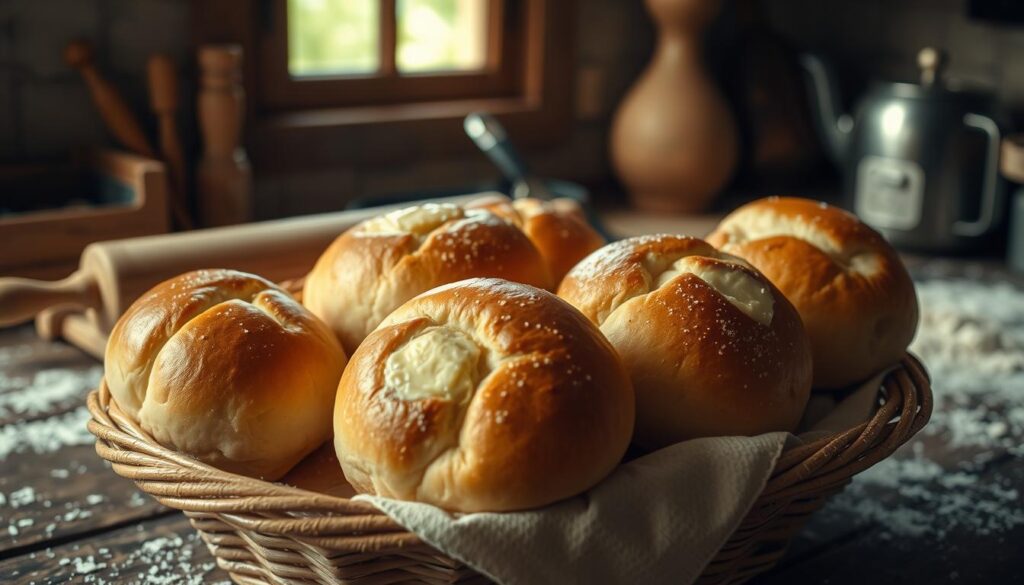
334	53
364	81
333	37
443	35
343	37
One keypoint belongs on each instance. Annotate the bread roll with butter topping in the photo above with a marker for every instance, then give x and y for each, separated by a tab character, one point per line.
379	264
558	228
226	367
482	395
711	346
853	293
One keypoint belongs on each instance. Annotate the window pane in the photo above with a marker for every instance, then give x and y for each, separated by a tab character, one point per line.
333	37
441	35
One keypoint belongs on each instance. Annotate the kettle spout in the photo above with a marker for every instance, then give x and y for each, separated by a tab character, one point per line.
833	126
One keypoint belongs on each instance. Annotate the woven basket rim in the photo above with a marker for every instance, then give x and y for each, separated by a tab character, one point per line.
181	482
262	532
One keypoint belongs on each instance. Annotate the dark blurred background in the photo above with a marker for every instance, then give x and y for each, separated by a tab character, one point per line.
310	156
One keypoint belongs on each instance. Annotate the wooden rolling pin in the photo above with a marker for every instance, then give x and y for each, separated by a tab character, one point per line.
111	275
116	114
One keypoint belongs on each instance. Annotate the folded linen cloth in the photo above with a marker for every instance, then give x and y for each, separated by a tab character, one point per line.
659	518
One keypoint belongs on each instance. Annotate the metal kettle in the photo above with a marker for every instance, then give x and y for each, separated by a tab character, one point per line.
920	162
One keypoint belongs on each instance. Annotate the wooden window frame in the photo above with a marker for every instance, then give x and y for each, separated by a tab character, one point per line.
500	76
320	128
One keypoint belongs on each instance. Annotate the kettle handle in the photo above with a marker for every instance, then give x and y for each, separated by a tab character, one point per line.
991	196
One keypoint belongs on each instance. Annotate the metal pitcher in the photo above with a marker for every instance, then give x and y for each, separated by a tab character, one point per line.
920	161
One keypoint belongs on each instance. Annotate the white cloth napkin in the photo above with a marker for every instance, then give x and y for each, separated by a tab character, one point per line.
657	519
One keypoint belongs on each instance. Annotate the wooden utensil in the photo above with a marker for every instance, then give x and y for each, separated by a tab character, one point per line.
223	175
116	114
163	100
111	275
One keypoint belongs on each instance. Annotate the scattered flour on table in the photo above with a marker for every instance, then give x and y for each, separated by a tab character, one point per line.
166	560
86	565
45	390
46	435
20	497
971	339
25	507
26	397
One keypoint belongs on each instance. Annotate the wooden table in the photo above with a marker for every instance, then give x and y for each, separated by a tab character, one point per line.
65	516
935	539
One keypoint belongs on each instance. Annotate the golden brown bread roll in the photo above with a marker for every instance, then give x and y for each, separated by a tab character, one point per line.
228	368
558	229
711	346
483	395
852	291
379	264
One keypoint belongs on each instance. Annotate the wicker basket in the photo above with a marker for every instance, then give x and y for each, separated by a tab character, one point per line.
264	532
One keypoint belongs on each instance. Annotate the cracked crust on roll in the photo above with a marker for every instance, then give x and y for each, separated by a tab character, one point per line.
853	293
711	346
483	395
226	367
381	263
558	228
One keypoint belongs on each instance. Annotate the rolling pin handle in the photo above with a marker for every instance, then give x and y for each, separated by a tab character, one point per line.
21	299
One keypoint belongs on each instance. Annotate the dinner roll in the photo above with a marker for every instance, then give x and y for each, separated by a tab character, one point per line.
848	284
711	346
379	264
558	228
482	395
228	368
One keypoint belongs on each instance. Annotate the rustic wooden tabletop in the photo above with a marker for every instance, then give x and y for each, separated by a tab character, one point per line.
946	508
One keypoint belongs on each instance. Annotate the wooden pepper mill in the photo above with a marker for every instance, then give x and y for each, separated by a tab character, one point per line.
223	175
673	141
